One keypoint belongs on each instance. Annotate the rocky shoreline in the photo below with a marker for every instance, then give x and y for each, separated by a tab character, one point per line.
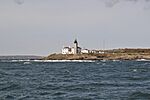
98	57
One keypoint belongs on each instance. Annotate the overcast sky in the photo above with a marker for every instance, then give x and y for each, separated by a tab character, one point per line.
41	27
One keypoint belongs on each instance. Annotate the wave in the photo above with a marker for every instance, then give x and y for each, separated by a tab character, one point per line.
15	60
140	95
28	61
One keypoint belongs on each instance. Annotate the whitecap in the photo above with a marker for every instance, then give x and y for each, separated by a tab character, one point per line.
20	60
142	60
27	63
135	70
64	61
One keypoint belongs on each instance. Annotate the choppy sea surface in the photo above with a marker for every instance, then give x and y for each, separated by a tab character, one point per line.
76	80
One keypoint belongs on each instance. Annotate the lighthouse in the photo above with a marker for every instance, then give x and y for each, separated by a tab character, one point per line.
72	50
75	46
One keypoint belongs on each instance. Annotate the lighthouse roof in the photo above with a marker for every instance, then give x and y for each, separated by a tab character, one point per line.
75	41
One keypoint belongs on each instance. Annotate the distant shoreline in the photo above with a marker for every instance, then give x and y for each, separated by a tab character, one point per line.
20	57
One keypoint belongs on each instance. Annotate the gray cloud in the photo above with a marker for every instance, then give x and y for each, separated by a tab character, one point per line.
108	3
19	2
43	26
111	3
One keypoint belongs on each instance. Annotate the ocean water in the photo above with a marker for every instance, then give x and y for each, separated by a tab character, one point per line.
98	80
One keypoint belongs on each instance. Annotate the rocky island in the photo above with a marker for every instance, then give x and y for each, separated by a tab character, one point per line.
115	54
77	53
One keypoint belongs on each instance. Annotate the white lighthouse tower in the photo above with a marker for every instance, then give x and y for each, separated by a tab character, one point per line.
75	46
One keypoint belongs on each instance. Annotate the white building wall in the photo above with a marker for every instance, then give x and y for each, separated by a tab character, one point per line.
66	50
72	50
84	51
